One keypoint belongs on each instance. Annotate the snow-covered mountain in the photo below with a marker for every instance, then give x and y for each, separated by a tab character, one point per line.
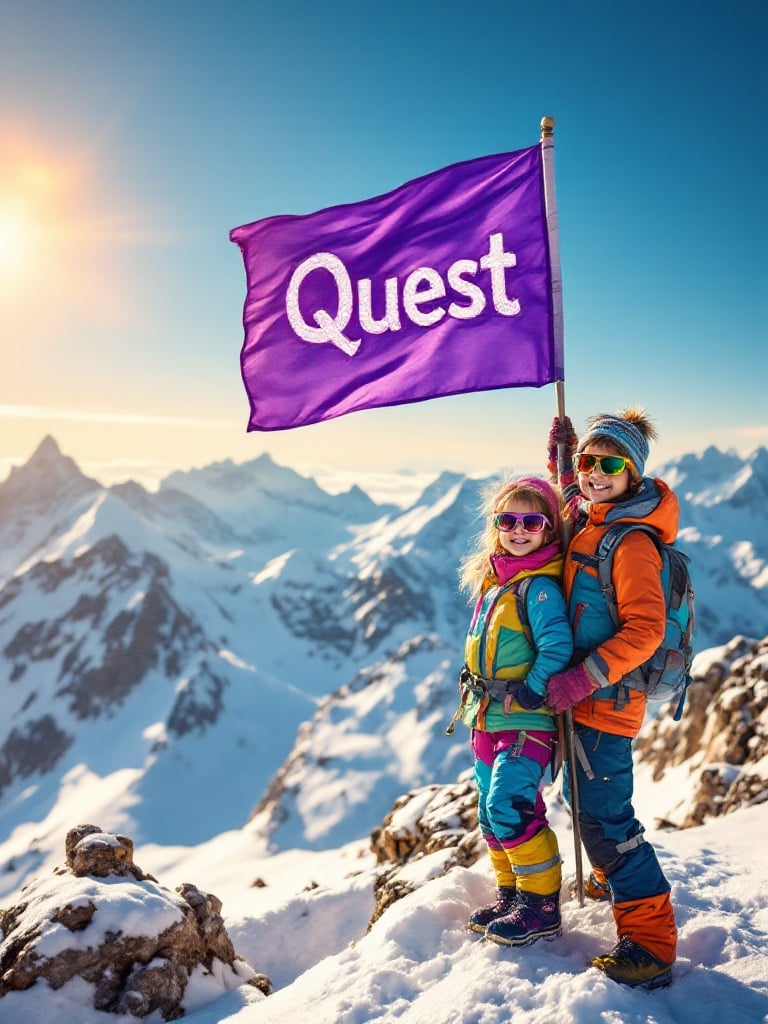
724	527
242	644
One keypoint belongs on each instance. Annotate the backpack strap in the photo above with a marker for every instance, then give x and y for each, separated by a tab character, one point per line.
606	549
521	595
678	579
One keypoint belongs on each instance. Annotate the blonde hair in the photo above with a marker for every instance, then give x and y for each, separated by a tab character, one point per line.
495	497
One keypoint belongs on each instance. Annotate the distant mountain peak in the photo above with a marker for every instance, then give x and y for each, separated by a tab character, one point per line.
49	456
46	474
47	449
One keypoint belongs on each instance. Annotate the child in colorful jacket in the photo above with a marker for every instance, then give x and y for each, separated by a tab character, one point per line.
610	463
503	702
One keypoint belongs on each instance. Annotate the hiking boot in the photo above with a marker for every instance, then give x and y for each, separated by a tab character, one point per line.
593	890
534	917
506	901
631	964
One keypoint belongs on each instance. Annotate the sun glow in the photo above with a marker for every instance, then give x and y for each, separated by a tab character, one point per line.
39	196
14	230
63	225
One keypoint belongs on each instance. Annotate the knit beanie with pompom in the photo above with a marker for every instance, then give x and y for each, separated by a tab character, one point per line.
629	439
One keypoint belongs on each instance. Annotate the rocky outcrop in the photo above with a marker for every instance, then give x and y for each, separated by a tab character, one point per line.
32	747
722	735
384	599
315	613
427	832
135	943
153	633
118	622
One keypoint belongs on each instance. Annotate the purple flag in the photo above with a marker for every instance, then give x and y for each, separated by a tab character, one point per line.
437	288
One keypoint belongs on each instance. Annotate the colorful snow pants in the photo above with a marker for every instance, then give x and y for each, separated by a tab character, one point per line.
613	839
509	767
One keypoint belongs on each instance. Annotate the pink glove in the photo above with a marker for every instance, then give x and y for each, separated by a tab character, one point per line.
570	687
561	432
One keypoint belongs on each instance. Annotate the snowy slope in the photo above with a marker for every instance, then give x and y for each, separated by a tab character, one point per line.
144	635
418	963
171	645
136	640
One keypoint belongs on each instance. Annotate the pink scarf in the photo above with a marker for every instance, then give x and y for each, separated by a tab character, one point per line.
506	567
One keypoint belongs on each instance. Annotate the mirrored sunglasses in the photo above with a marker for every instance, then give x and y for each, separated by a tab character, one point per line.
532	522
610	465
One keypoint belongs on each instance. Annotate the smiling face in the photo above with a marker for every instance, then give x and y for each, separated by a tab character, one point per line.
517	542
598	487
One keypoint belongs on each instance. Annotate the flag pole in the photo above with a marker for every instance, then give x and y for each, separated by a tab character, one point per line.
553	233
556	285
556	278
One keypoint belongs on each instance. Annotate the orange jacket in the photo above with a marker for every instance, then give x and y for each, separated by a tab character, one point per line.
639	598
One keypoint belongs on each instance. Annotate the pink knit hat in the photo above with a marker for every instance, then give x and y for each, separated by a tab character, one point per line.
547	492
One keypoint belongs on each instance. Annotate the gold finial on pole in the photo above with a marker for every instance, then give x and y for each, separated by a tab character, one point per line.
547	127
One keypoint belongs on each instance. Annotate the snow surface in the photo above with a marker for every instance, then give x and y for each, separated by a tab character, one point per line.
305	924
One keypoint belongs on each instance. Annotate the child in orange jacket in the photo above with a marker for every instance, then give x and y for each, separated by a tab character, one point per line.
610	463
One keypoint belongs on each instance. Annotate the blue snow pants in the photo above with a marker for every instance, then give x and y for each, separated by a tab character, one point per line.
610	832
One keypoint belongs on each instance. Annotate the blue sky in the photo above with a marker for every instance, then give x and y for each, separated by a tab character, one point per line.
134	136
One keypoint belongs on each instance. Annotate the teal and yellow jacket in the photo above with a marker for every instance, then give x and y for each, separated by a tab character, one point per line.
498	646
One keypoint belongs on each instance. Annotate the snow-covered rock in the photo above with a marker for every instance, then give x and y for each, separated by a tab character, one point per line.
132	946
721	741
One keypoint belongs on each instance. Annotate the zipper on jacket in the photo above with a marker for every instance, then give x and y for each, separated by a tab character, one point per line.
581	607
484	668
